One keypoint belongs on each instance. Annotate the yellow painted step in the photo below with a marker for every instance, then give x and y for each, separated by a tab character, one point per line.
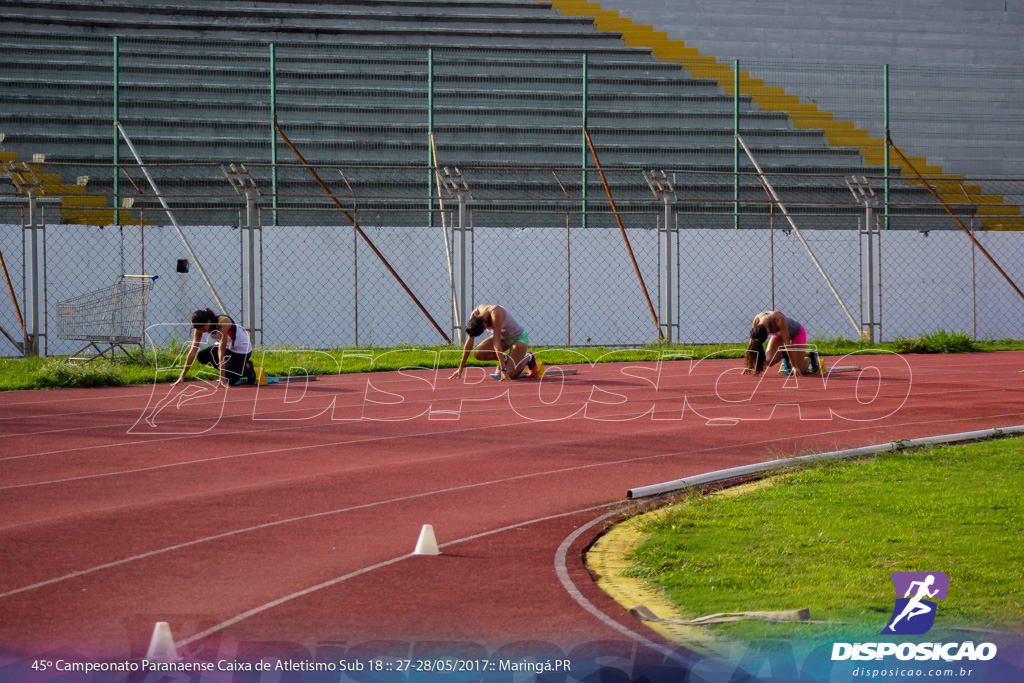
1002	223
46	179
990	209
637	39
581	10
87	217
691	59
646	33
80	201
563	5
77	208
720	72
63	189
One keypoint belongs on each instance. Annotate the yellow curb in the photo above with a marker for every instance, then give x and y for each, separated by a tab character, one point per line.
608	558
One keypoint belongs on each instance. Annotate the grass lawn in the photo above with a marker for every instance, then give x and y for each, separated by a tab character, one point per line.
165	363
828	536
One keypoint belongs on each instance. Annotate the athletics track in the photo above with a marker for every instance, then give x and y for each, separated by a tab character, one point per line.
280	520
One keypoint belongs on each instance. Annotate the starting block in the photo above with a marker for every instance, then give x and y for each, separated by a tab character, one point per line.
548	372
284	379
262	378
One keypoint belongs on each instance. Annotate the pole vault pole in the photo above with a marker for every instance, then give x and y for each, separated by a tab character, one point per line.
362	234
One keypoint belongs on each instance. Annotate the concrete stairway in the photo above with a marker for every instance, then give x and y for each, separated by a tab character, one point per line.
79	205
351	89
911	32
494	24
801	108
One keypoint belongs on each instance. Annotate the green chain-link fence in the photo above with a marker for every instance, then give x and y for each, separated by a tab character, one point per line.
319	281
396	132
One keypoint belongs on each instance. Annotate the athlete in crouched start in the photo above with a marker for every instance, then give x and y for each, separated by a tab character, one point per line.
508	344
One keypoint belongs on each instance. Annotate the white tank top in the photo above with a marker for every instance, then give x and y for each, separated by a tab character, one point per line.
238	340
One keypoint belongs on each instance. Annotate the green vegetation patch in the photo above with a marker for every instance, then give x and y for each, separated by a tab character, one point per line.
48	373
940	341
827	537
163	363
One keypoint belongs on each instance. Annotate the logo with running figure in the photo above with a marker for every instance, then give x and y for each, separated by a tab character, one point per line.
914	612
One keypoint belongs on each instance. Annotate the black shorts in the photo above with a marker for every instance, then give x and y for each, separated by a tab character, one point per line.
238	365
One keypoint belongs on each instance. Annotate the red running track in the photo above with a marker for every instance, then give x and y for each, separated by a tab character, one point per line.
285	516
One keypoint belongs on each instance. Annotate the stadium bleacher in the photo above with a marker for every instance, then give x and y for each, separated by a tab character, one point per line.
351	86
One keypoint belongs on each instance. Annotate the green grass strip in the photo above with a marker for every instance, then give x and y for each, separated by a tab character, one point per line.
39	373
827	537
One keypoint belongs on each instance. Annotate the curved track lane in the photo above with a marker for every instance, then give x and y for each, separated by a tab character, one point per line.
283	517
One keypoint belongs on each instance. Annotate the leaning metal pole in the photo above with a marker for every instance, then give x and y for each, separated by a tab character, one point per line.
170	215
17	308
963	227
782	207
622	229
457	314
362	234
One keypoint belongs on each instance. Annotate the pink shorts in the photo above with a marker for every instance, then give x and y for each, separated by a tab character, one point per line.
798	340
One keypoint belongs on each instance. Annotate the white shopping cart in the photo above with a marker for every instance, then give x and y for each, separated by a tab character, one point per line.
108	319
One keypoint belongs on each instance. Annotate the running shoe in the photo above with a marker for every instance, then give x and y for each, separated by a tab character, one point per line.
816	365
533	366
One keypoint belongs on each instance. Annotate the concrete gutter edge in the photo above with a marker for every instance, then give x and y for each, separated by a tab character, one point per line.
765	467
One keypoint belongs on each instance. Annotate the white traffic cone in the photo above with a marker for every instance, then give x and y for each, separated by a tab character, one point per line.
427	545
161	645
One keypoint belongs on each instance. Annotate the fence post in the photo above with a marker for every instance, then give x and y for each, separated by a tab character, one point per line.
273	132
583	190
869	222
117	136
667	288
249	267
34	278
431	161
869	260
885	117
461	264
736	144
